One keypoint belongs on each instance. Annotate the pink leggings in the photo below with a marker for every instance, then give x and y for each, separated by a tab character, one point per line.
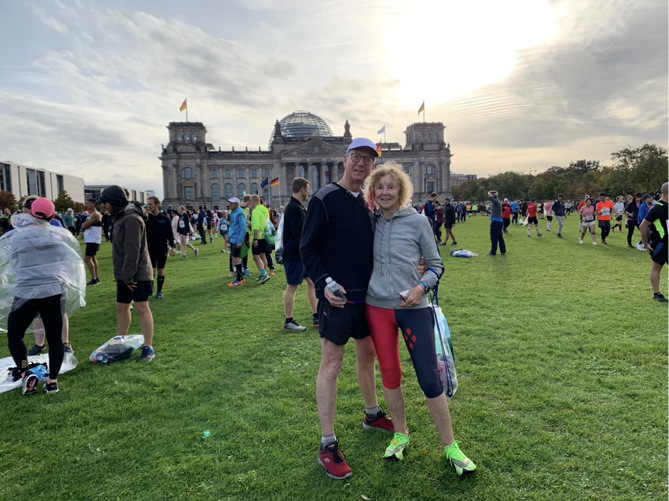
417	327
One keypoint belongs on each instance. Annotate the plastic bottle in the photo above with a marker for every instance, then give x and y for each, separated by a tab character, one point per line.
334	288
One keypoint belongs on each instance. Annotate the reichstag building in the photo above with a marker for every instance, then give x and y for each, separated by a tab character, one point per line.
301	144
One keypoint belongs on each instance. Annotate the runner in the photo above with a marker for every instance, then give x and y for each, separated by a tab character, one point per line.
588	216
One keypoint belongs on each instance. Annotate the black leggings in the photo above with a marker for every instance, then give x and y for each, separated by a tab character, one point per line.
23	312
630	231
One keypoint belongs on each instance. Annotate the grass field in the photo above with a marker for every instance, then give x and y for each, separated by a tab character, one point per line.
562	363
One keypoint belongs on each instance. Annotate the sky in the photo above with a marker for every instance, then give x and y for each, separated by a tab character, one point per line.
89	87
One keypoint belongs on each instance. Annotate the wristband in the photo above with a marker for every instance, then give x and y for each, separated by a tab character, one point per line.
425	285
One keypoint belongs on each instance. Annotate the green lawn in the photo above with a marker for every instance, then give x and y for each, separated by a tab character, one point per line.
562	365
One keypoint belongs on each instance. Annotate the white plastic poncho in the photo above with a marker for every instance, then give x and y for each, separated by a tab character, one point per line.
38	260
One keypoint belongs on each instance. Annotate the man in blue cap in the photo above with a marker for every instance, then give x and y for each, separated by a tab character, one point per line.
337	244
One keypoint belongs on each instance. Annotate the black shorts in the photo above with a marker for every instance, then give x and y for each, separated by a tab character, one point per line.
260	249
158	258
295	272
92	249
337	325
659	254
139	295
448	225
619	217
532	220
604	224
550	218
235	251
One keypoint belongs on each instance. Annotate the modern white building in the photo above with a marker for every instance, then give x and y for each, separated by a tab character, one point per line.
22	180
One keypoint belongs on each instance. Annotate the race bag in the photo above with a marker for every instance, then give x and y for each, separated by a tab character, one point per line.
270	232
278	242
116	349
444	349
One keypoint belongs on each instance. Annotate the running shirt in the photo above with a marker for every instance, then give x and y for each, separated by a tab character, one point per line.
604	210
588	213
548	208
532	210
658	216
619	208
93	234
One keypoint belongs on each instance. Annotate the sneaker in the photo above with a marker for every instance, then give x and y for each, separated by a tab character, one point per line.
272	272
236	283
454	243
67	348
594	243
247	273
659	297
223	251
196	251
160	296
147	354
580	242
211	240
51	387
36	350
293	326
459	461
30	381
231	274
264	279
379	422
539	234
314	321
93	282
395	451
332	459
640	247
528	236
558	235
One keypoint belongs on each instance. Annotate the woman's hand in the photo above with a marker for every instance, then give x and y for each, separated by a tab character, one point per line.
414	297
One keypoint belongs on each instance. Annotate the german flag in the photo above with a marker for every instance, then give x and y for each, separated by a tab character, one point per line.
184	105
274	182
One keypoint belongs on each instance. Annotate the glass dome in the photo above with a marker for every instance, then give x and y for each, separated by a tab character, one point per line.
302	124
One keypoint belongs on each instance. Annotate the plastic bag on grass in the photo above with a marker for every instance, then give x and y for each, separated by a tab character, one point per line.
116	349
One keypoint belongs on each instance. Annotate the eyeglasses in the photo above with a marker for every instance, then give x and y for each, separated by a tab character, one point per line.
356	158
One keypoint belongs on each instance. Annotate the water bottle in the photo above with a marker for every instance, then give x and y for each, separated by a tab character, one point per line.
334	288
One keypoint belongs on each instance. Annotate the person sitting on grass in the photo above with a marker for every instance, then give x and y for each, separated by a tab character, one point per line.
396	299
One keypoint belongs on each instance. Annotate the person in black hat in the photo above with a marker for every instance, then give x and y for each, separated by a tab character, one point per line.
132	266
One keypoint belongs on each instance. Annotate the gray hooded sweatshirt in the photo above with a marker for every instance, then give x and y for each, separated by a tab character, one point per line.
398	246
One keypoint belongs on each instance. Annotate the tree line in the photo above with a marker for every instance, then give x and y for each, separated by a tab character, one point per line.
641	169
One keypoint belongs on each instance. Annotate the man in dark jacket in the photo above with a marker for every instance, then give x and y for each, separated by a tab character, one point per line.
159	239
293	220
132	267
449	221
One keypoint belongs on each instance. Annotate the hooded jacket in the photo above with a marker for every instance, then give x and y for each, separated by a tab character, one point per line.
129	248
398	246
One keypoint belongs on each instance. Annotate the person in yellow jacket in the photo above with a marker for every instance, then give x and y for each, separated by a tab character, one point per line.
259	219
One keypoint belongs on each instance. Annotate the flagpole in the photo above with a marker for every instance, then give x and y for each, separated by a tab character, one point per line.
187	112
384	133
423	110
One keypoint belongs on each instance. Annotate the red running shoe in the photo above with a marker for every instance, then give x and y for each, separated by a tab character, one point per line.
332	459
379	422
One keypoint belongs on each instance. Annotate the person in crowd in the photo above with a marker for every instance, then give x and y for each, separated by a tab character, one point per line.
201	223
270	247
514	211
293	220
236	234
92	228
222	229
160	240
106	225
558	210
209	220
604	210
588	216
396	300
45	261
644	208
653	230
532	218
185	230
69	221
548	211
245	205
337	227
259	219
506	215
497	225
631	212
619	212
132	266
449	222
429	208
438	219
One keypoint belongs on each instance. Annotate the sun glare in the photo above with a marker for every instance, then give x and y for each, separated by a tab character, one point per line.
438	50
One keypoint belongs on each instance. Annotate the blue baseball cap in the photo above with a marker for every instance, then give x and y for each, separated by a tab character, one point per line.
361	142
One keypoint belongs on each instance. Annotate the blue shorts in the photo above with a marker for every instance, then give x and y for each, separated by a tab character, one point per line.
295	272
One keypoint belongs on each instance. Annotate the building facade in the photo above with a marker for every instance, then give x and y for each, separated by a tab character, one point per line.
94	191
301	144
22	180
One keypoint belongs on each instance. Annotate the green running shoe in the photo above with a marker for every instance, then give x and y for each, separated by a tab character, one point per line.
460	462
395	450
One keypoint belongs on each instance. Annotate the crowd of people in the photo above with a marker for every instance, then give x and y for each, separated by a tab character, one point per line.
369	260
